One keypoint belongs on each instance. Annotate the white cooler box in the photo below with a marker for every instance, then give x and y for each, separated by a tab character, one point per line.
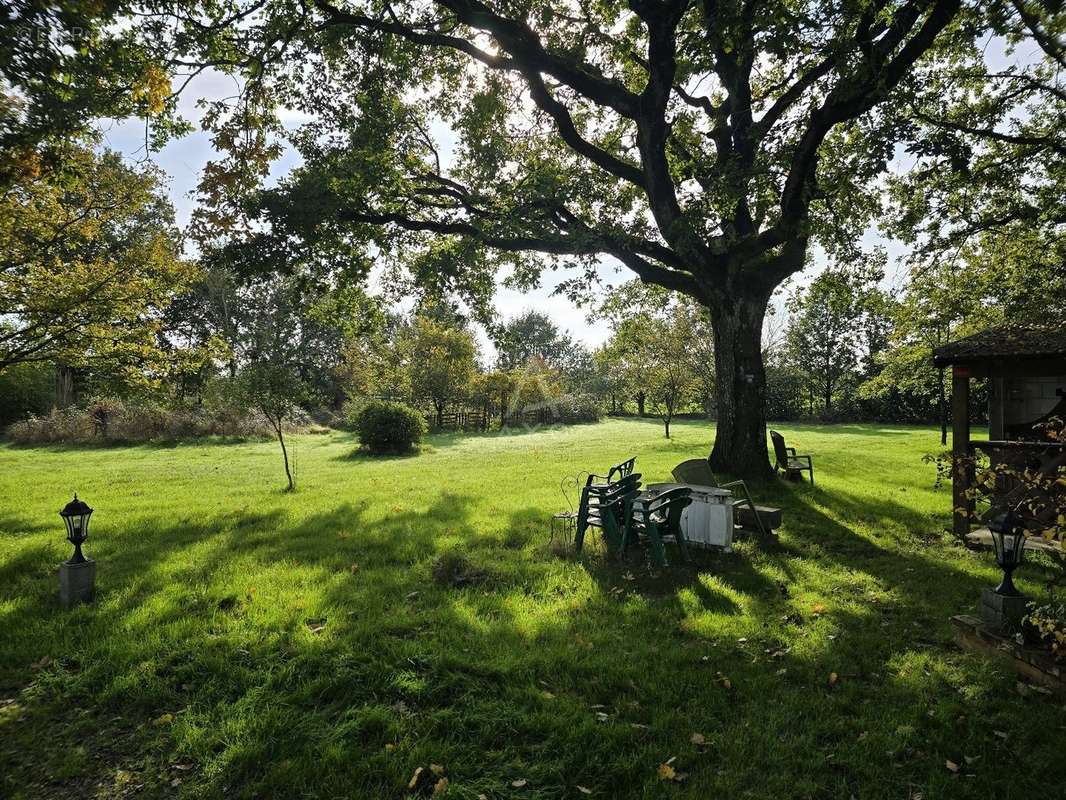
708	520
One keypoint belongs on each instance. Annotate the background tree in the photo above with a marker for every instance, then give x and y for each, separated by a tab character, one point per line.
374	364
830	330
89	262
1005	276
534	387
654	343
442	362
284	337
529	334
664	364
496	390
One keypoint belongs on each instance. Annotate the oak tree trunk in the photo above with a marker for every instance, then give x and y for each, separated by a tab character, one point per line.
740	440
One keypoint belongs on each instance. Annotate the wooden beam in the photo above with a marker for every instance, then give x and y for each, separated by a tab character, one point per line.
962	463
1014	368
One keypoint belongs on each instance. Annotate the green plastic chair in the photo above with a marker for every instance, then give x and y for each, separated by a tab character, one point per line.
622	470
658	518
606	506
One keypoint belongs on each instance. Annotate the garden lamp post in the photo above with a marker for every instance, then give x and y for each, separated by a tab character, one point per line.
76	515
1008	540
77	575
1004	607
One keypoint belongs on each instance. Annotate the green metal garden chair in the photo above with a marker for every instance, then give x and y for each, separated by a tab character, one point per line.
656	519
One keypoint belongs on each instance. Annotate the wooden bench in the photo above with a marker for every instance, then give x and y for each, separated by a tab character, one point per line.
771	517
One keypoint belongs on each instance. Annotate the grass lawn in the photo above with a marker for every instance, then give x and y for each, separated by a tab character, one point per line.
251	643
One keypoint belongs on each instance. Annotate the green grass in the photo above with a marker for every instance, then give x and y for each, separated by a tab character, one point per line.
202	670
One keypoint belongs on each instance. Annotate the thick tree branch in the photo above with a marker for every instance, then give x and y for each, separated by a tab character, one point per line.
525	47
851	97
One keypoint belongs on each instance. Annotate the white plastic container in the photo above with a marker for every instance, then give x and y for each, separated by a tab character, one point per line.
708	520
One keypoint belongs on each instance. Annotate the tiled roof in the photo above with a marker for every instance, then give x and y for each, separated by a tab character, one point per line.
1006	341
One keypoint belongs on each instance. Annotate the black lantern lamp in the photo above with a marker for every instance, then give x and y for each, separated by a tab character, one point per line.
76	515
1008	539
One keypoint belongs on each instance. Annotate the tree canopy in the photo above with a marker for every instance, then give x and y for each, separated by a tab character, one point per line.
703	145
89	261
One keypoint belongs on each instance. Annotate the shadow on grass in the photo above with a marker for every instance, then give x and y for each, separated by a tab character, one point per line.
297	652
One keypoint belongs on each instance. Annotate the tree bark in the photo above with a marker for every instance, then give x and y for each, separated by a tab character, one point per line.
640	404
740	440
64	386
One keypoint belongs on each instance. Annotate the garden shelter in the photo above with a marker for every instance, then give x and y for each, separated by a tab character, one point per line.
1025	366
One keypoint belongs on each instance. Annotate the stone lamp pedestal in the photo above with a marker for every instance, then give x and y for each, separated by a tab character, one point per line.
1003	612
77	582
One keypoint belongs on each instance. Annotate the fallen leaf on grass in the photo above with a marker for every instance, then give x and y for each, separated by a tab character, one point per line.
583	789
44	662
697	738
163	719
390	747
818	608
440	787
582	642
951	765
833	679
411	784
316	626
436	769
667	772
518	784
547	695
354	568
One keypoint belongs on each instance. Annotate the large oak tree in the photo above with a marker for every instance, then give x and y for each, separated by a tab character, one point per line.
703	145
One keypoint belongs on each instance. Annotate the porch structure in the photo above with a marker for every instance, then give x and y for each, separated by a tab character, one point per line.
1026	371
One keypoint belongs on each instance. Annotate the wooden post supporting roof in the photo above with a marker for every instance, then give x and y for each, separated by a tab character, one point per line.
961	452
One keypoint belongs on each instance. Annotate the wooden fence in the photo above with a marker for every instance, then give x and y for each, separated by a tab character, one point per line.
459	421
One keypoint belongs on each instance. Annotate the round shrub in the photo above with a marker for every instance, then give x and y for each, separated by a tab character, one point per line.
389	427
